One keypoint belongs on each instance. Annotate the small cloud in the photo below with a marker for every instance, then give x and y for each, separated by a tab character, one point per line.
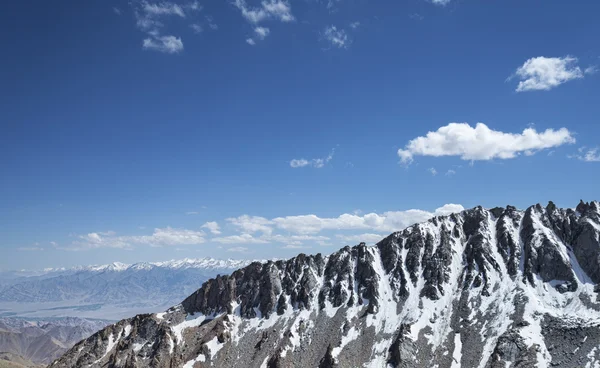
440	2
53	243
416	16
194	5
238	250
164	8
211	23
117	11
544	73
269	9
197	28
30	249
588	155
450	172
166	44
294	246
213	227
591	69
250	41
336	37
433	171
192	213
315	162
354	25
261	32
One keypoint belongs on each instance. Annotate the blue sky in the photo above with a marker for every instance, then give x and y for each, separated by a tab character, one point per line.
145	131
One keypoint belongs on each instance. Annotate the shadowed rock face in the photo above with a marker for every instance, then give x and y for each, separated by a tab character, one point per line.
482	288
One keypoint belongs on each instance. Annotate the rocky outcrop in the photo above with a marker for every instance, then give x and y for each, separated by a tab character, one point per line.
482	288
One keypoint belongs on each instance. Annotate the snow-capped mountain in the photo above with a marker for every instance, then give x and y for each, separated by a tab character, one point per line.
483	288
116	288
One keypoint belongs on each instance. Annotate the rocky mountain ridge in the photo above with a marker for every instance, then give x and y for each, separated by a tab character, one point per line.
483	288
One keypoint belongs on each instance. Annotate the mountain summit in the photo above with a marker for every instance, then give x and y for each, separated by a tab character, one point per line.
482	288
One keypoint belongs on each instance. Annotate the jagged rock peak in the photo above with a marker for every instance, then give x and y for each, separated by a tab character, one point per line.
480	288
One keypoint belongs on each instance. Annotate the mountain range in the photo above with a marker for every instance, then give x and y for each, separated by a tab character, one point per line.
483	288
30	343
111	291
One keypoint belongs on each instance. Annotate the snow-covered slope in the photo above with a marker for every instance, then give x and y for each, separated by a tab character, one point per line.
483	288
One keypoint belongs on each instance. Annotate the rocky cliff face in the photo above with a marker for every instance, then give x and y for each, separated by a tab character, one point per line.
482	288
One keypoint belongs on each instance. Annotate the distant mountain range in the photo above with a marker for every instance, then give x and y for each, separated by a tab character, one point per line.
36	307
485	288
88	291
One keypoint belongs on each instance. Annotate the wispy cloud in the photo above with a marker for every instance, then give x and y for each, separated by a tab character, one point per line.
354	25
163	8
482	143
315	162
166	44
432	171
238	250
197	28
440	2
117	11
149	19
30	249
192	213
213	227
588	154
261	32
544	73
336	37
160	237
450	172
269	9
250	41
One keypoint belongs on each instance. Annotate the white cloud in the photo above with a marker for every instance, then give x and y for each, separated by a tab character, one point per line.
315	162
440	2
591	69
251	224
163	8
293	246
385	222
433	171
166	44
337	37
30	249
355	239
192	213
117	11
239	239
482	143
354	25
450	172
299	163
197	28
250	41
261	32
238	250
213	227
588	155
194	5
542	73
276	9
160	237
211	23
